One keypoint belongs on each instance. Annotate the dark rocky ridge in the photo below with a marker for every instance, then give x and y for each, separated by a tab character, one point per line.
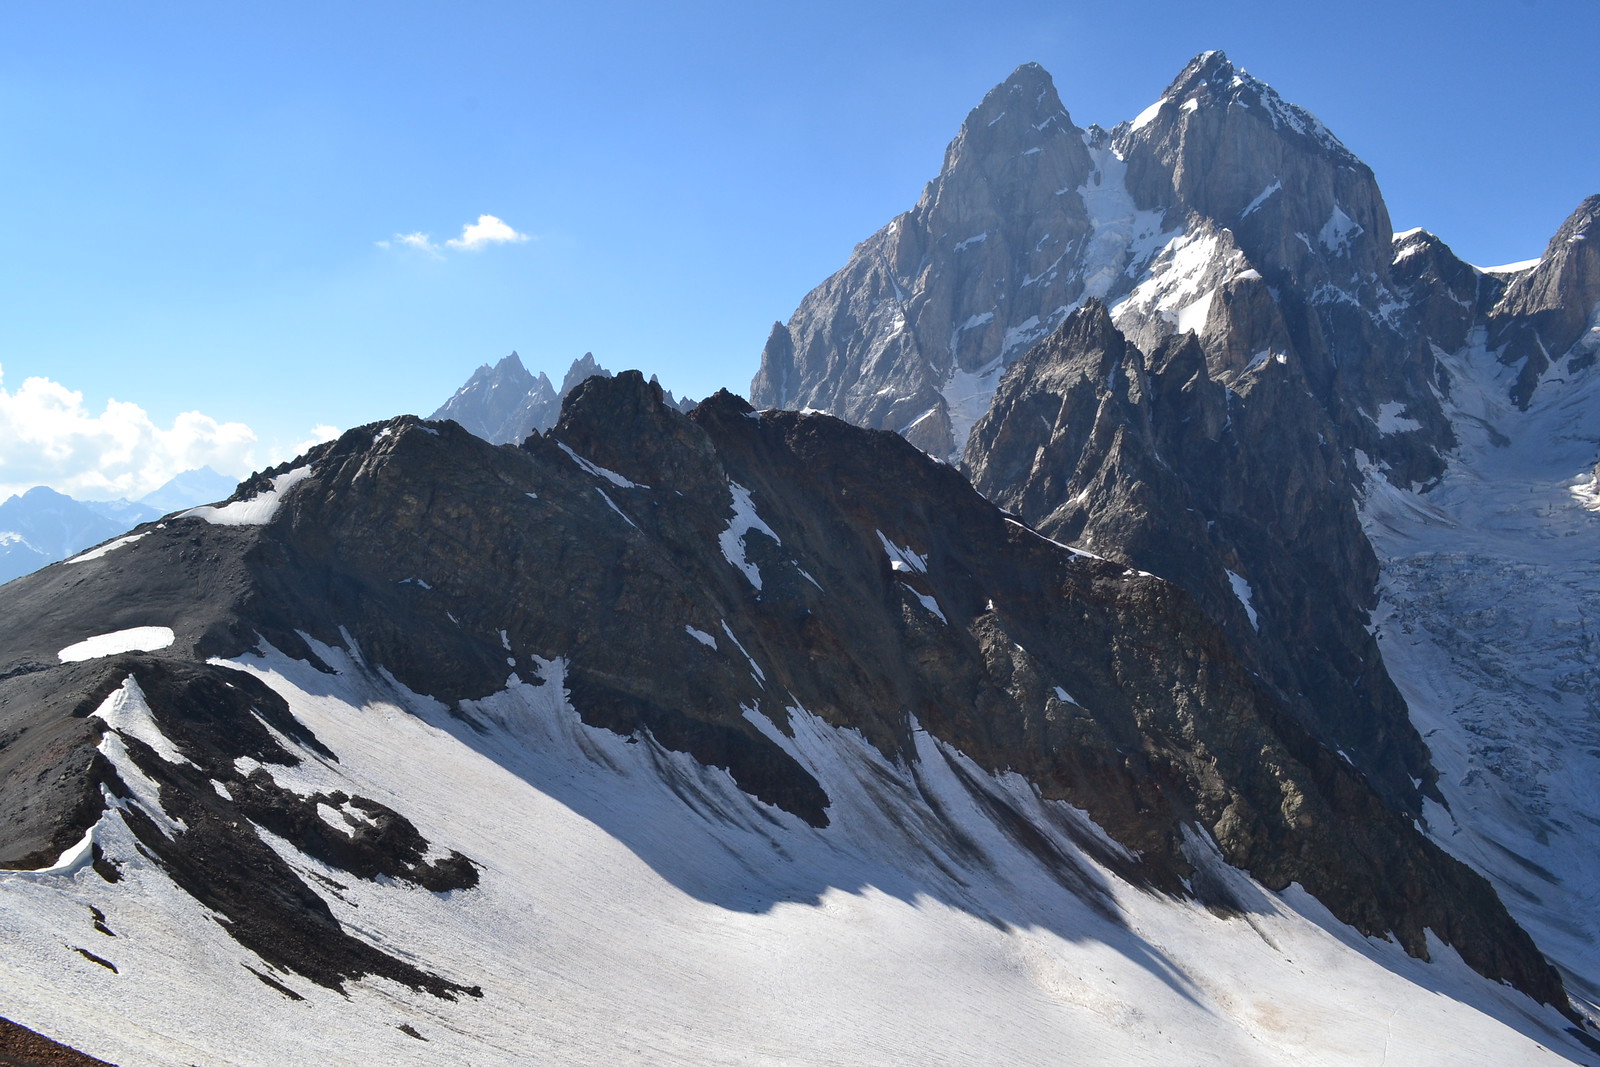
608	570
1148	460
504	404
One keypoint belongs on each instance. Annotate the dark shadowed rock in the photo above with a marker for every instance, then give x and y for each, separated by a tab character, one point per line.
1236	494
610	543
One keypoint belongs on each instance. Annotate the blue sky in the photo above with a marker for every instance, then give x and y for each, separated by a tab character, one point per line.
197	194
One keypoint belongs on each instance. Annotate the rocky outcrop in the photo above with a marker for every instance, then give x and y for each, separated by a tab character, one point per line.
504	404
696	575
913	332
1552	311
1237	493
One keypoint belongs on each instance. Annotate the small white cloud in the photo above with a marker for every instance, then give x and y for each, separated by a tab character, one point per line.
487	231
48	437
416	241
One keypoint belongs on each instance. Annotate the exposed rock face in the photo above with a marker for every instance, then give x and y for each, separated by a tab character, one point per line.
696	575
1552	310
1238	494
503	404
913	332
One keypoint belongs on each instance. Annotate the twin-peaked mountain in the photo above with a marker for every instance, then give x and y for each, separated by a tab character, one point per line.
589	722
1193	345
1221	210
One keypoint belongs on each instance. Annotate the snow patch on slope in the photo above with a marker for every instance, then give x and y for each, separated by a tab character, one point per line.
254	511
133	639
1246	595
1337	233
1123	237
967	395
902	559
127	711
1261	198
103	550
733	538
1181	282
598	471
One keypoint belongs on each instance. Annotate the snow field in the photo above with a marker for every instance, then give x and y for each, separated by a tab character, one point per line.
635	907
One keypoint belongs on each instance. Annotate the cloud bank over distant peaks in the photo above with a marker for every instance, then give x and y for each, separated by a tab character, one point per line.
475	237
48	437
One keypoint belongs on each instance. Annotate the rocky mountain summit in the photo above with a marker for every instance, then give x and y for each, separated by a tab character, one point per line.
1221	210
503	404
1192	344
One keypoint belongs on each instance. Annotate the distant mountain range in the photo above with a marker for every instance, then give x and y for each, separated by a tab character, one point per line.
504	403
42	526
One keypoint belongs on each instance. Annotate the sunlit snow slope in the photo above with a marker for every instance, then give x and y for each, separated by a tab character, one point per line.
635	907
